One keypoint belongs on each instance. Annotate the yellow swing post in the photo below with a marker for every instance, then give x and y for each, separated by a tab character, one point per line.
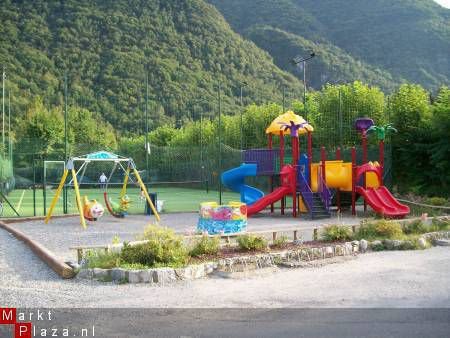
144	189
78	198
125	182
56	197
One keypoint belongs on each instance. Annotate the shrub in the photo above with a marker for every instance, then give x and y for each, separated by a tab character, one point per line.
415	227
280	242
206	246
388	229
141	254
336	233
102	260
251	242
382	229
438	201
167	247
440	224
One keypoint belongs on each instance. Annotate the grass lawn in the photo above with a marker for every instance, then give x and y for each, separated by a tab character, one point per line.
175	199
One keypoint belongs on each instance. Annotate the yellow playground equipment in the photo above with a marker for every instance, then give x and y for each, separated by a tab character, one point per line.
338	175
91	207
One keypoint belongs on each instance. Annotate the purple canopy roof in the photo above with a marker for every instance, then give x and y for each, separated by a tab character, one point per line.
363	123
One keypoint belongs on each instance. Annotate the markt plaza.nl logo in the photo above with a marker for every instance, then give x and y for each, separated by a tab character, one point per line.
8	316
21	325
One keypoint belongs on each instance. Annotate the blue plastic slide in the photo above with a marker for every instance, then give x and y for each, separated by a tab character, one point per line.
233	179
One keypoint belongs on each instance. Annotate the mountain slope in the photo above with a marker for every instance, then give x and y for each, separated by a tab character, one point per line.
408	38
105	47
331	64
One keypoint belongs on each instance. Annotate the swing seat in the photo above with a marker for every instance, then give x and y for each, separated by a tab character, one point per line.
110	206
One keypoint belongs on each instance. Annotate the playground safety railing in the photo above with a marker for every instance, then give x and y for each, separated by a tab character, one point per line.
324	192
305	191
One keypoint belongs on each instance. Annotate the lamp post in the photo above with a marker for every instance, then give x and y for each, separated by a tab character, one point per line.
243	84
65	193
3	109
220	141
297	60
147	146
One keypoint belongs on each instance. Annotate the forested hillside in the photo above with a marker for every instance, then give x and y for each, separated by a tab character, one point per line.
331	64
106	47
410	39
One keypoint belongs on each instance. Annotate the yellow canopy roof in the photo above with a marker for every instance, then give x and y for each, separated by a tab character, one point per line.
282	120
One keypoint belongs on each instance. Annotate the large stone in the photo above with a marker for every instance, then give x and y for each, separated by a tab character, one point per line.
363	245
100	273
146	276
118	275
376	245
348	248
134	276
164	276
422	243
328	251
442	242
210	267
355	246
184	273
198	271
85	273
392	244
339	250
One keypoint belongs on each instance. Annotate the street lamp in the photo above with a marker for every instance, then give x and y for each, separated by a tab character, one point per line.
243	84
297	60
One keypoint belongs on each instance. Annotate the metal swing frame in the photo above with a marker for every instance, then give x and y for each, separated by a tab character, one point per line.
70	167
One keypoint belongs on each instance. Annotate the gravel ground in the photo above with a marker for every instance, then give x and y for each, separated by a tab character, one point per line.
385	279
62	233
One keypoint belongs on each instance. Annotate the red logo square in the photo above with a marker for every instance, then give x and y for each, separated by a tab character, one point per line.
7	316
22	330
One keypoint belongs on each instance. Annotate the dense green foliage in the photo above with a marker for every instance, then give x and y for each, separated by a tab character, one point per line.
205	246
164	247
410	39
106	47
422	140
336	233
251	243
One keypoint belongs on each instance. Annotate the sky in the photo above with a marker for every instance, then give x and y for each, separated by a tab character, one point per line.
444	3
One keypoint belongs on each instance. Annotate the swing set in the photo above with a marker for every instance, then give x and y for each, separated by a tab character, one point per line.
90	209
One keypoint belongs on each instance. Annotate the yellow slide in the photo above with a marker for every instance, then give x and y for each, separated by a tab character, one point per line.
338	175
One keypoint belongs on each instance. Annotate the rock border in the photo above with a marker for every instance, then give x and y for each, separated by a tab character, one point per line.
164	276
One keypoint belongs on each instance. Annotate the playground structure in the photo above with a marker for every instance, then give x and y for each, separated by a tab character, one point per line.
310	185
91	210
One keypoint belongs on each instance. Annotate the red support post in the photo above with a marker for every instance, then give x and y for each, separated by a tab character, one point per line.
295	145
310	156
281	164
353	181
270	146
338	191
323	158
364	146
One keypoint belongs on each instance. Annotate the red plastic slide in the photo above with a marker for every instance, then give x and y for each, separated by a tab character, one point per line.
382	202
267	200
